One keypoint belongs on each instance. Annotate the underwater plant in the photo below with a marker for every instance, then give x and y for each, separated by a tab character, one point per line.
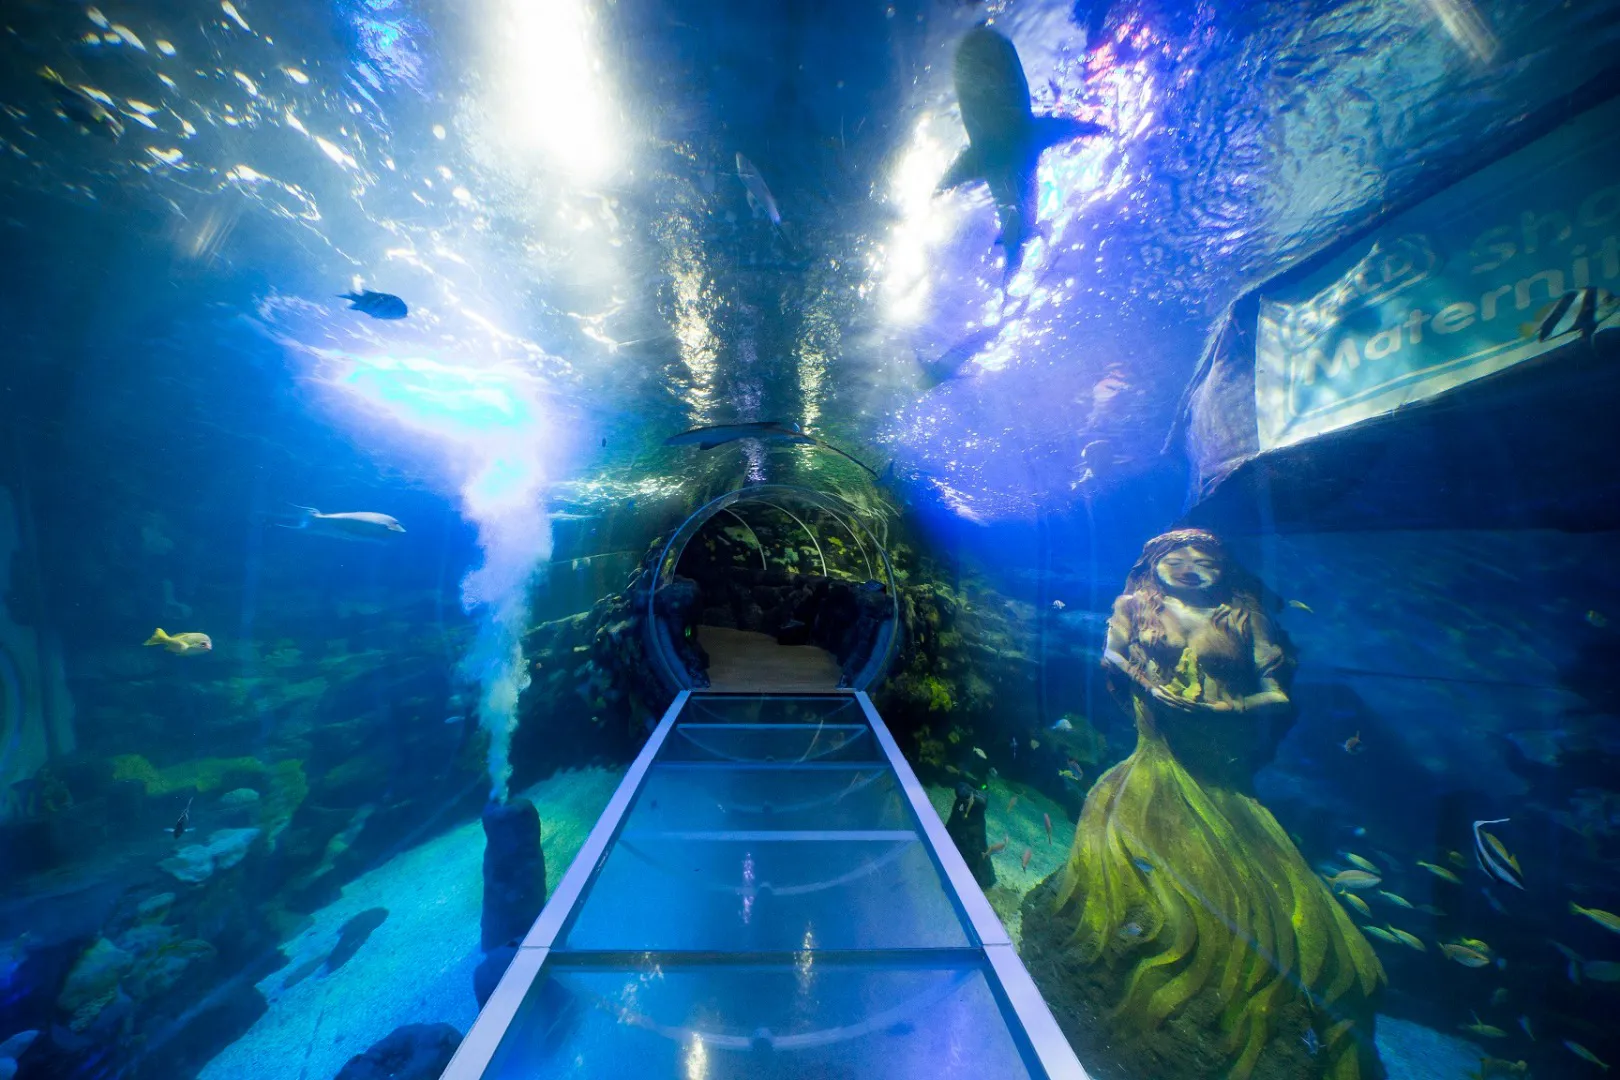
1184	903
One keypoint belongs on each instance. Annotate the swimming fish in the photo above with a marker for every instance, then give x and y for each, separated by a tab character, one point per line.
1028	853
999	845
1500	996
83	109
1606	919
189	643
365	525
1493	857
1300	605
1068	774
1586	1055
1469	958
379	305
1482	1029
707	438
1353	745
1142	865
1058	605
1457	859
1047	820
1496	1068
183	822
1012	802
1380	934
1409	940
1441	872
760	200
1062	724
1014	744
1597	619
1354	879
1524	1025
980	754
1589	306
1430	909
1356	860
1312	1043
1398	901
1601	970
1005	139
1356	902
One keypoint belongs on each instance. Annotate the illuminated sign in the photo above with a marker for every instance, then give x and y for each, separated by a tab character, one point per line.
1452	290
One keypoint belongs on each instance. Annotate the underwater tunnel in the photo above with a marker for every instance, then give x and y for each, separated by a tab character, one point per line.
703	540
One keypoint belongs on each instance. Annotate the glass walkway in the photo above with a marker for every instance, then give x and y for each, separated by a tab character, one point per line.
769	894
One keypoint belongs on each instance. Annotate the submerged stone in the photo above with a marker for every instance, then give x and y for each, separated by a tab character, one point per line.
514	873
412	1052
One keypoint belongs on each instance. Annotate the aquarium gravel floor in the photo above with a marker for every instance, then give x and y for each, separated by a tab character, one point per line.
417	967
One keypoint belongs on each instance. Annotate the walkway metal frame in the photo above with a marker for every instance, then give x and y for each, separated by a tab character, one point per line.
1050	1049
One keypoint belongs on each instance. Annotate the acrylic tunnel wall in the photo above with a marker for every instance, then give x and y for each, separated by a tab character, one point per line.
817	611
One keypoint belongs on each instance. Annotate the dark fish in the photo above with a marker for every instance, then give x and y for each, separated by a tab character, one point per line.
953	360
707	438
184	821
302	972
1585	304
1312	1043
1005	138
1493	858
379	305
1142	865
83	109
353	935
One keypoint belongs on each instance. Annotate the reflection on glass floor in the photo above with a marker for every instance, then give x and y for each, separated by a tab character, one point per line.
768	895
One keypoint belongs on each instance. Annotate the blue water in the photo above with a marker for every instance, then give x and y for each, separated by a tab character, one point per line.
552	188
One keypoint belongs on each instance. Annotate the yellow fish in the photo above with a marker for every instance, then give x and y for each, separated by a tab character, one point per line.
1354	879
1356	860
1356	902
1482	1029
1429	909
1496	845
1469	958
1398	901
1606	919
187	644
1441	872
1300	605
1586	1055
1474	943
1457	859
1408	940
1382	935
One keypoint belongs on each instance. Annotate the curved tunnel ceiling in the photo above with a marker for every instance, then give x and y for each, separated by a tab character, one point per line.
553	186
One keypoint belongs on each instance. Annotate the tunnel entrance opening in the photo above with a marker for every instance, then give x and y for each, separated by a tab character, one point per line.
773	588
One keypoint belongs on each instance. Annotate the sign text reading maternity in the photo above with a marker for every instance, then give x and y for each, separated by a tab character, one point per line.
1447	292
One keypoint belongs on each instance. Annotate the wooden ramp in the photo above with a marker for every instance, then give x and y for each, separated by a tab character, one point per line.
748	660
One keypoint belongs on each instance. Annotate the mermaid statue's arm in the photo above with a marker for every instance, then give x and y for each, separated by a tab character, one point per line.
1270	662
1121	629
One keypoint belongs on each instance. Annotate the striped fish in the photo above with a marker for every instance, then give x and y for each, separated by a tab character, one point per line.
1493	858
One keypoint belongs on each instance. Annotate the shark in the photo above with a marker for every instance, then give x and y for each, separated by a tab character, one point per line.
1005	137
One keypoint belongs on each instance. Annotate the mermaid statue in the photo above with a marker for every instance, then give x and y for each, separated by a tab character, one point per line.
1186	936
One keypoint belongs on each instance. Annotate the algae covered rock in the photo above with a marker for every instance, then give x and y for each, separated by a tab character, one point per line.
412	1052
92	985
195	863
